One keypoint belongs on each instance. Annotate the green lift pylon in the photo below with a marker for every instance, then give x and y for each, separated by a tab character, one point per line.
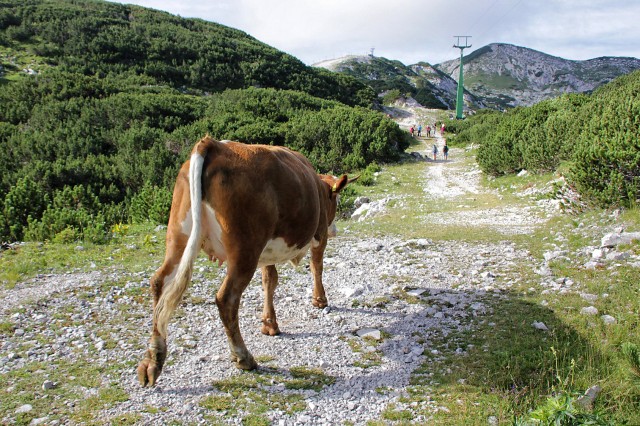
460	97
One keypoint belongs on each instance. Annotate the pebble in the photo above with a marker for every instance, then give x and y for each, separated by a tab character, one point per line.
48	384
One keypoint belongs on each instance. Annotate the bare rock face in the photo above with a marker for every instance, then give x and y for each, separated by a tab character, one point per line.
505	75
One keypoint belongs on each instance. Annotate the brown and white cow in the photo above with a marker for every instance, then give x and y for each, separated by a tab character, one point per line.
250	206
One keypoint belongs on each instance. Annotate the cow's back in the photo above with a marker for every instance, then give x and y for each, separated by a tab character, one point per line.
258	197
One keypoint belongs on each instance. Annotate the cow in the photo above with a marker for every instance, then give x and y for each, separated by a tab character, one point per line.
250	206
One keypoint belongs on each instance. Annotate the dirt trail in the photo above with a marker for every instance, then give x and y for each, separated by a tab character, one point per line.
457	180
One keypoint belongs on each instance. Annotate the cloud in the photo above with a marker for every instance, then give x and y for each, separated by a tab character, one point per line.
416	30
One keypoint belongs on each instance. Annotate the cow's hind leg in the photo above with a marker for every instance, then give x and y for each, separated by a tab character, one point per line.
163	281
228	301
269	283
151	365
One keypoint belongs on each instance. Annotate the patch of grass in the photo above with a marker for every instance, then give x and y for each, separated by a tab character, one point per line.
218	403
393	414
130	252
309	378
106	397
263	359
78	395
250	395
6	328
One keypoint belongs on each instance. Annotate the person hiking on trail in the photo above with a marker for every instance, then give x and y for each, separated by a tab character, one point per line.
411	130
445	150
442	129
435	152
428	131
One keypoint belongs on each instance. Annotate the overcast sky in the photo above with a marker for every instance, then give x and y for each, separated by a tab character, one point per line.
417	30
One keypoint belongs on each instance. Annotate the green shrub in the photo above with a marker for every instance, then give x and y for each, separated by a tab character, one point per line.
152	204
391	96
606	163
24	200
367	177
74	212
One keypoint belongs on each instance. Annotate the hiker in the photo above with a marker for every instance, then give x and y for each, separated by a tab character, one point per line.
442	129
428	131
419	130
435	152
411	130
445	151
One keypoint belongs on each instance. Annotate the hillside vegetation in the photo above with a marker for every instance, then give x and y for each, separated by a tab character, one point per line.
94	134
591	139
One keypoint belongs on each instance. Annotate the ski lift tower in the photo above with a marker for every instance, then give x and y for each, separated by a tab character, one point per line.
460	97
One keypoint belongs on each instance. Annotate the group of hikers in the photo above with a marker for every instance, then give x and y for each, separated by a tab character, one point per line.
416	130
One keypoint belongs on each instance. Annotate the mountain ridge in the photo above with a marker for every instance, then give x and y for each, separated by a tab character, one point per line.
498	75
520	76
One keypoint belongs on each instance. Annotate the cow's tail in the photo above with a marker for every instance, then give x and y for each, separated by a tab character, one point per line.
174	290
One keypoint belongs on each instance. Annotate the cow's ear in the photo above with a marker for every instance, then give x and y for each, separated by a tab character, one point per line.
340	184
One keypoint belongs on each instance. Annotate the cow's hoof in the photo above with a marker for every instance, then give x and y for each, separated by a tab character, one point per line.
247	363
270	328
319	302
149	370
150	367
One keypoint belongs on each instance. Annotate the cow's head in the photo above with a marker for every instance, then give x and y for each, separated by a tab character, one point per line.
335	185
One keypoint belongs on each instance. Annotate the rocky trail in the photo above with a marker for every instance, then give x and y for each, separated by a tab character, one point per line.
391	300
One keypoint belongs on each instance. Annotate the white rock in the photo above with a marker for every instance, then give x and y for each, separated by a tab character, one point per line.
608	319
597	254
589	297
417	292
616	238
539	325
589	397
24	409
616	255
350	292
592	265
589	310
360	201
